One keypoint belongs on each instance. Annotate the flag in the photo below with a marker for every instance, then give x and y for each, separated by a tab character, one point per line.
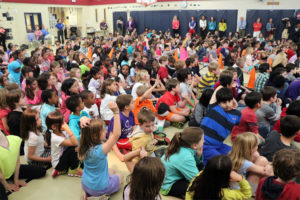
176	55
221	61
111	53
251	82
90	53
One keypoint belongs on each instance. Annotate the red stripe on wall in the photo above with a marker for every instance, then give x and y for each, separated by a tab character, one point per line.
80	2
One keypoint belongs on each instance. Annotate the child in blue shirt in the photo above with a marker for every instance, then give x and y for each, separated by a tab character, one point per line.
50	99
97	178
218	123
76	106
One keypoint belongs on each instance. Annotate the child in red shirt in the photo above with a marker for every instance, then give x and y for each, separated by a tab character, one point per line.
163	72
177	112
248	121
285	164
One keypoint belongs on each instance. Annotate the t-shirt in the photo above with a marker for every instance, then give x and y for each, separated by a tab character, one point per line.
105	111
127	124
13	122
56	148
163	72
95	172
84	68
272	145
3	113
94	86
134	88
169	99
46	109
218	123
8	158
34	140
243	170
185	89
248	123
145	104
93	111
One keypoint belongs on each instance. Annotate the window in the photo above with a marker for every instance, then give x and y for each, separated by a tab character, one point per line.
32	20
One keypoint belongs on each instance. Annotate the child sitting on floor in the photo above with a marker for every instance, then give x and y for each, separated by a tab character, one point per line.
50	99
97	178
248	121
143	101
186	94
4	110
266	115
177	111
145	180
90	106
125	105
286	164
289	126
63	143
76	106
142	138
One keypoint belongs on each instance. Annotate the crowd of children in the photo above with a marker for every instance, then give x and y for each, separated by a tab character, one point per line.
69	106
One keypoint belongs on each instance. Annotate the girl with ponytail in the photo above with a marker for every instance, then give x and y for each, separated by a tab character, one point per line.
63	142
182	161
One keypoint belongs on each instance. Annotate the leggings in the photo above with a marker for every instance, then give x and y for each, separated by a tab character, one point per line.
68	160
27	172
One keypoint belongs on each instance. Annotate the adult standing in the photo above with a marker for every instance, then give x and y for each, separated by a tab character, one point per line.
65	28
60	31
222	28
270	27
175	25
130	25
242	27
120	25
203	25
257	28
103	27
192	26
3	38
212	24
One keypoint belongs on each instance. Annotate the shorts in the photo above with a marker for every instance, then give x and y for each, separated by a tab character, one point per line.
169	115
124	143
113	187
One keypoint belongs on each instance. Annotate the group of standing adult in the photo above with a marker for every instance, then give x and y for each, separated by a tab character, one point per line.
130	26
204	25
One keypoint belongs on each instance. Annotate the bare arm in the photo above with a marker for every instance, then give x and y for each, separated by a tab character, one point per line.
113	138
32	156
73	140
4	122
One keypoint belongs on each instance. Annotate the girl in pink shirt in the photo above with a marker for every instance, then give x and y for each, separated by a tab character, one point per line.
4	110
32	92
175	25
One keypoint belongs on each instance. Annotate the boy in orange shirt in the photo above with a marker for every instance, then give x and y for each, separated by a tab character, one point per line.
143	101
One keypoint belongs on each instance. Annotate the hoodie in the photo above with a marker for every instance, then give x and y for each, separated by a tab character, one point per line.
269	189
74	123
13	76
139	139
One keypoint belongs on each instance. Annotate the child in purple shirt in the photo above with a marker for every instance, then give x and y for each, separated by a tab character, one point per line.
126	105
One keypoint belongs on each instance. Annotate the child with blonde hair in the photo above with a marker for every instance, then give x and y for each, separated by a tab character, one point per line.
246	159
142	78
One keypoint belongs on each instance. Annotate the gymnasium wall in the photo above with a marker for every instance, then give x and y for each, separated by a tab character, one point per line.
88	14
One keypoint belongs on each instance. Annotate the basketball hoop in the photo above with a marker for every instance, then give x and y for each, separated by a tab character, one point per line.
146	2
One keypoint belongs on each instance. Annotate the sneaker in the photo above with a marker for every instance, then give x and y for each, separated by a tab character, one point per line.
178	125
57	173
75	172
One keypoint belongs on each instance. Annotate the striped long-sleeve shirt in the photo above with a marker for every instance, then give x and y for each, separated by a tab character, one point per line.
207	81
